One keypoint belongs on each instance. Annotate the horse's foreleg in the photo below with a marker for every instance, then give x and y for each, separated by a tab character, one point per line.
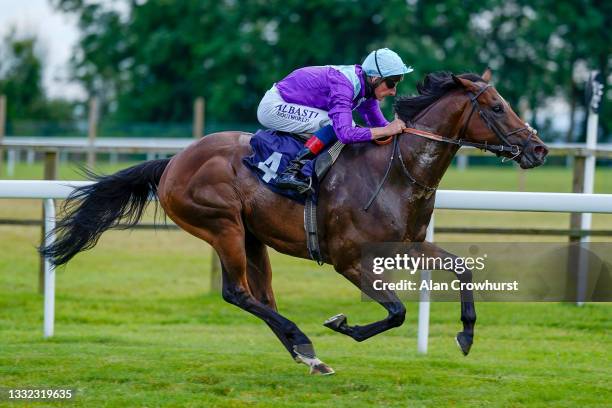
468	310
364	280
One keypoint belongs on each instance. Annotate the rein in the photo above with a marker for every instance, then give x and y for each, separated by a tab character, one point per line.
395	152
506	146
495	148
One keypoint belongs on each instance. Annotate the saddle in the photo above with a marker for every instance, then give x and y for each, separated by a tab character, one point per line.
272	153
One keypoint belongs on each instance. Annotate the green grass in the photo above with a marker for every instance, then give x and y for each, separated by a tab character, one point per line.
135	326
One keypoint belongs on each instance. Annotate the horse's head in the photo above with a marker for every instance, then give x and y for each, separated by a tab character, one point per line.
489	119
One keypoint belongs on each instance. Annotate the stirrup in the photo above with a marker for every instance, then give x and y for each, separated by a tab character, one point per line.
303	190
300	189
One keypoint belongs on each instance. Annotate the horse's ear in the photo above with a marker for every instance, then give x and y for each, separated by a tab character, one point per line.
456	80
486	76
464	83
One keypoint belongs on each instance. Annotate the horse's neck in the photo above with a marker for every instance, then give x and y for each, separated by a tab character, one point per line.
427	159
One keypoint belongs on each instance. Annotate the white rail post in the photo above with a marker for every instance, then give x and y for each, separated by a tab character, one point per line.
424	303
50	173
198	117
92	131
462	162
49	299
596	91
11	161
30	157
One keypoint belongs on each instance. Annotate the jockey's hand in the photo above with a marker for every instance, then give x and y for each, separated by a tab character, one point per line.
395	128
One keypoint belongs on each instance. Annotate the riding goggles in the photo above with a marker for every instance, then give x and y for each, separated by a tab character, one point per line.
393	80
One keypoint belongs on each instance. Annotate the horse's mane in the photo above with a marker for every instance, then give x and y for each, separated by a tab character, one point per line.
433	87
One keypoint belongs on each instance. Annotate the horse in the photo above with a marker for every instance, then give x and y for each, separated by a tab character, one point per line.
207	191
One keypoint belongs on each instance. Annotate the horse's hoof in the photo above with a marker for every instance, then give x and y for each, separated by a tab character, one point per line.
321	369
304	353
464	341
336	322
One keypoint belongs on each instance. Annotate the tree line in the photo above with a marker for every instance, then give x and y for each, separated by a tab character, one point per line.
148	60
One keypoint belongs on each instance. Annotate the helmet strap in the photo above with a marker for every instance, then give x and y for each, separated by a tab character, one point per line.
376	62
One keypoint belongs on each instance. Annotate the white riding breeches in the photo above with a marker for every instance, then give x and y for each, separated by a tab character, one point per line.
274	113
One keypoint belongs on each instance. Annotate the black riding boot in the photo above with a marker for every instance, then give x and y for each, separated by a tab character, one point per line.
291	178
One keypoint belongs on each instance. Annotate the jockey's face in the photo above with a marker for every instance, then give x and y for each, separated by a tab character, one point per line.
387	87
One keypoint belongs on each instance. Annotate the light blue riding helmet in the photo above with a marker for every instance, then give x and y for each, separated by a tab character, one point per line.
384	63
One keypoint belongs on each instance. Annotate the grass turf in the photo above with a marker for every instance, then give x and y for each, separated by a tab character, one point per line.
136	327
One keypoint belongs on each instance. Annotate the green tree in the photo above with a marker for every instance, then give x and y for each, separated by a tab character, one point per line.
156	59
152	61
21	71
546	44
435	36
21	76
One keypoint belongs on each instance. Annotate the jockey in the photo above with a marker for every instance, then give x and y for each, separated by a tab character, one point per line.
318	102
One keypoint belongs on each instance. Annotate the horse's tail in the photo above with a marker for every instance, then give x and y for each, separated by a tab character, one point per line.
92	209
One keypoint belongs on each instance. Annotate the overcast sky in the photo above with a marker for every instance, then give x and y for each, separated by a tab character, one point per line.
56	33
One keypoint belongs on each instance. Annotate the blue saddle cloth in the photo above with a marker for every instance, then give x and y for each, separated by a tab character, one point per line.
272	153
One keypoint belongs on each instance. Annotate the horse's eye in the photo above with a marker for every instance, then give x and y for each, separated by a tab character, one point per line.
498	109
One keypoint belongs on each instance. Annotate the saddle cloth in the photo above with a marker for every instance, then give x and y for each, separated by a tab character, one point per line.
272	152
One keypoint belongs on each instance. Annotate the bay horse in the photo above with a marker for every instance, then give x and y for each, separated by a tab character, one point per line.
208	192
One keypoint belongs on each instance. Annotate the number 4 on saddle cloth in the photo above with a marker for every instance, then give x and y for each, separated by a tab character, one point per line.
273	151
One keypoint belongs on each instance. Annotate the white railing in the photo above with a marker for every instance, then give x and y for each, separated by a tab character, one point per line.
446	199
38	188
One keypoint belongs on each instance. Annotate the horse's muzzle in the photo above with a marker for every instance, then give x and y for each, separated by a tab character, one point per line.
534	155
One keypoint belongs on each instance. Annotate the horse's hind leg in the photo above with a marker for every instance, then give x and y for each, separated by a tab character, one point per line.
230	246
259	277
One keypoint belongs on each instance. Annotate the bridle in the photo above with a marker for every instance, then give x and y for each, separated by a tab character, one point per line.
491	123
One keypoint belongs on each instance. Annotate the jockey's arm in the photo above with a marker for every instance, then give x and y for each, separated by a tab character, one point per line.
370	111
341	115
380	127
